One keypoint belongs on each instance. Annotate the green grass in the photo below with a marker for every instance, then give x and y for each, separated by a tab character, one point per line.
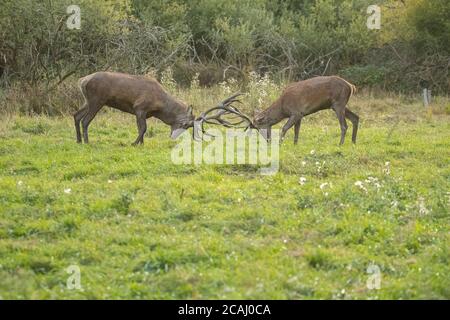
139	226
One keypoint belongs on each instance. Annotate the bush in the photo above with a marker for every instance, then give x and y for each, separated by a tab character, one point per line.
218	40
366	75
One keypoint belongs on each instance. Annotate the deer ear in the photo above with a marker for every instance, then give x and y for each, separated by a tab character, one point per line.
190	110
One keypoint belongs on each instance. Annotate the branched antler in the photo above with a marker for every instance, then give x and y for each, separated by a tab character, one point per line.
224	109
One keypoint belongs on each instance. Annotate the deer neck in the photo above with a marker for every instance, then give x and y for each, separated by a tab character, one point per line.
172	112
274	114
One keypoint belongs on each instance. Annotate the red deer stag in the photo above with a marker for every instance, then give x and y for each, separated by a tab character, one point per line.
307	97
137	95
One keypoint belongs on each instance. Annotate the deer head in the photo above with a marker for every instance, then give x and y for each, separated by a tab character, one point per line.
183	122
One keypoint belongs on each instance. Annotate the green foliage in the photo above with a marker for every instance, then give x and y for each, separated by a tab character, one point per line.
417	34
35	44
430	21
221	39
366	75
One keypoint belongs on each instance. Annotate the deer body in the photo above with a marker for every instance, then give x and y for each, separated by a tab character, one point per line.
136	95
307	97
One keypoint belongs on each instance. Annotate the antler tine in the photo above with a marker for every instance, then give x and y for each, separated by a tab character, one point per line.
230	100
222	106
225	108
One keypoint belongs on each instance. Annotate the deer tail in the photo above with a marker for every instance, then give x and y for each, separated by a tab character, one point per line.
351	86
82	82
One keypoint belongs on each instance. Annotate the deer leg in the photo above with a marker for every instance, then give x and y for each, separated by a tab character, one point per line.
292	120
77	117
92	111
297	130
341	117
142	127
355	121
138	140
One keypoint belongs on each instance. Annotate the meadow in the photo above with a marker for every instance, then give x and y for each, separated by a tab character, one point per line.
138	226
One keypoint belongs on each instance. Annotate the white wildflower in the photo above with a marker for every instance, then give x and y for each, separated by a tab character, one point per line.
323	185
302	180
68	190
232	81
360	185
374	181
225	88
312	152
167	78
422	209
387	168
195	83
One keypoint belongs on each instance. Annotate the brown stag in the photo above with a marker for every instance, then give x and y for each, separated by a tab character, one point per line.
307	97
140	96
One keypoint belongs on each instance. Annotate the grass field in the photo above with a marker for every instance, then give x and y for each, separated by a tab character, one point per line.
139	226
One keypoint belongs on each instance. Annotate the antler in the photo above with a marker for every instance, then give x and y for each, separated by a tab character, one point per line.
225	108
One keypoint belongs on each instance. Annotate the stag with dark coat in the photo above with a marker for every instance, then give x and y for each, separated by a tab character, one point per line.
137	95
